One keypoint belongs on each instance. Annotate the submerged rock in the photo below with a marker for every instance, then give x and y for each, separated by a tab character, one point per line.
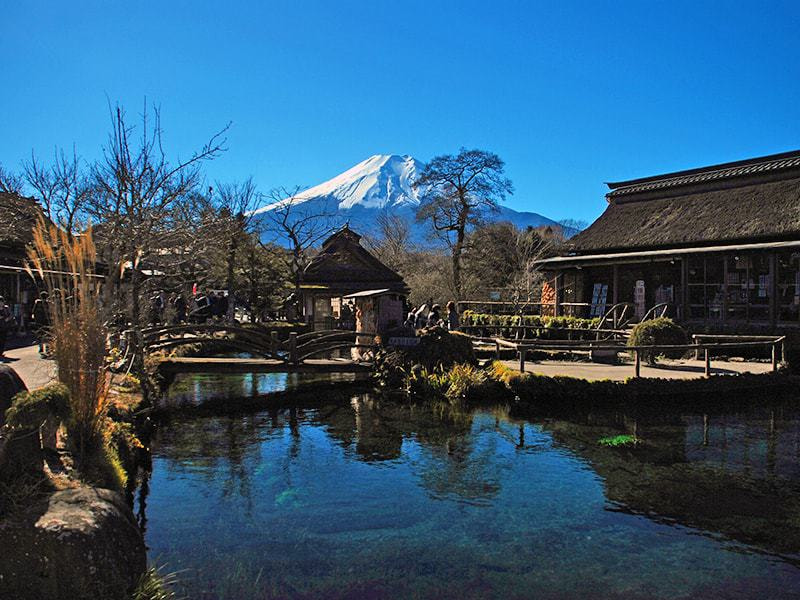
80	543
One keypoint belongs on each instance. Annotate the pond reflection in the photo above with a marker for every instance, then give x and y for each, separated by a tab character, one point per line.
366	497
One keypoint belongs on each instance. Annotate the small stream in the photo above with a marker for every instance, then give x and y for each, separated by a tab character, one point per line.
364	497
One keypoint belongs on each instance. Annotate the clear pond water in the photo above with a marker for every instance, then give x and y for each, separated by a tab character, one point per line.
362	497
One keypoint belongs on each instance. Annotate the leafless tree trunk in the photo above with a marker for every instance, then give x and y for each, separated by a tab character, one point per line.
455	191
291	221
235	204
137	192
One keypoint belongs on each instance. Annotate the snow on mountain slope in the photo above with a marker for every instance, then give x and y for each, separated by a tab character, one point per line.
384	183
381	181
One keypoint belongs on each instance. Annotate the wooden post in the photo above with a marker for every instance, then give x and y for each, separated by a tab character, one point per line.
724	288
293	347
637	363
522	352
496	350
614	284
773	289
684	295
696	352
556	305
708	363
273	342
774	357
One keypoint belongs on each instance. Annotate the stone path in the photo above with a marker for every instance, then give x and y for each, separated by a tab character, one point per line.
665	369
34	370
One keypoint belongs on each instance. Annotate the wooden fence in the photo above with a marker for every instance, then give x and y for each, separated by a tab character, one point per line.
776	344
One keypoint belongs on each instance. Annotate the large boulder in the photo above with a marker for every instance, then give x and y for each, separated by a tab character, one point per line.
10	385
80	543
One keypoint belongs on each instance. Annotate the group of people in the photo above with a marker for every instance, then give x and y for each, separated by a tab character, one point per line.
211	305
39	320
430	315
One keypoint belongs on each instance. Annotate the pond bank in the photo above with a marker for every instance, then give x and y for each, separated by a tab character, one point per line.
664	369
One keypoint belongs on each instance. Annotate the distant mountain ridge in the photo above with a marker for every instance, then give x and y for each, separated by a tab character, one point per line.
384	182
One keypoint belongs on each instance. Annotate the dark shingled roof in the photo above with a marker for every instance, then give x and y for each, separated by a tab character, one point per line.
345	266
753	200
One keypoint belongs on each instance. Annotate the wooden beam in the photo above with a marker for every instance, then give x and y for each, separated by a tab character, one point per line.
684	298
259	365
773	288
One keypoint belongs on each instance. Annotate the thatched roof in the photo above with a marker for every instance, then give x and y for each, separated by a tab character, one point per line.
345	266
753	200
18	216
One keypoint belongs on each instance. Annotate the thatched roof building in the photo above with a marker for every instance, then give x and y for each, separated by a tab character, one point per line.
726	239
745	201
344	268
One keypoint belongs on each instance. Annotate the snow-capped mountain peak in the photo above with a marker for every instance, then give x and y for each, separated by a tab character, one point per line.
383	180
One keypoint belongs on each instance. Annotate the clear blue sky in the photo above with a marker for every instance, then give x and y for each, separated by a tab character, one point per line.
569	94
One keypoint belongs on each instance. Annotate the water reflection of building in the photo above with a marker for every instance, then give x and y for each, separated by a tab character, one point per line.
442	450
735	476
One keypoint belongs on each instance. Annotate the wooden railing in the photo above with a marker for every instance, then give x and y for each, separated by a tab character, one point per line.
295	349
776	345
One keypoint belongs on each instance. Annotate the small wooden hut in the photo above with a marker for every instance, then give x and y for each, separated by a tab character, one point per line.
345	278
719	244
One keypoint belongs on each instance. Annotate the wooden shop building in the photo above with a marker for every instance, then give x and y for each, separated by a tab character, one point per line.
720	245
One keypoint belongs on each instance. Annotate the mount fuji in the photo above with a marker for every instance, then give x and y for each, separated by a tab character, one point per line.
383	183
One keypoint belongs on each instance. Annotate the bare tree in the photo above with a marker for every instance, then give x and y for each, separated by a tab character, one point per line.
235	203
300	224
17	213
10	183
456	192
63	188
137	195
502	256
570	227
392	245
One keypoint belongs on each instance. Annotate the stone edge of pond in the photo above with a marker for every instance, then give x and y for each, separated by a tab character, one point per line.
529	390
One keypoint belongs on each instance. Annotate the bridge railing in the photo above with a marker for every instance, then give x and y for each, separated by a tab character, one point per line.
267	344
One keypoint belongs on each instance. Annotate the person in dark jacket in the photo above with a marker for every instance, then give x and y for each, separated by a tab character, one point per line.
40	317
180	306
453	322
7	324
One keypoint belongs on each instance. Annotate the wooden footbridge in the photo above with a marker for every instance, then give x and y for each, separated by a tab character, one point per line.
312	352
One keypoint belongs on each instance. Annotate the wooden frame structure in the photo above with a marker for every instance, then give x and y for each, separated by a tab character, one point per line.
720	245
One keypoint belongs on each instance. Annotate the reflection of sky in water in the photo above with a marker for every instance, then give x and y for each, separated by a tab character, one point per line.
372	499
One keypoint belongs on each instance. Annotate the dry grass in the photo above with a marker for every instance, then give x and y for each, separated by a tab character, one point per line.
66	265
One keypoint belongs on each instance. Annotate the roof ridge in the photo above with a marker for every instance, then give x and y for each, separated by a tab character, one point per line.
776	162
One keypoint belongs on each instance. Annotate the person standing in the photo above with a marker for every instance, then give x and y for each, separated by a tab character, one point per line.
452	317
40	316
179	304
7	323
434	319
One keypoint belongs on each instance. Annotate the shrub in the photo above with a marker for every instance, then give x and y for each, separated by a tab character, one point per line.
153	585
658	332
101	466
29	410
438	350
66	265
463	380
